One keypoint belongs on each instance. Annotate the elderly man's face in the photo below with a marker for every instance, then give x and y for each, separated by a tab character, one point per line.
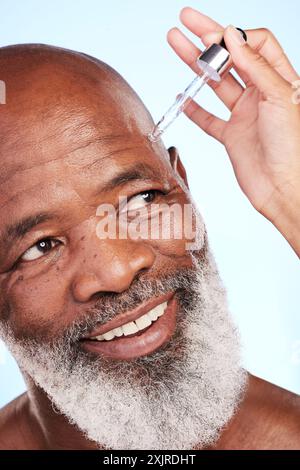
58	166
74	137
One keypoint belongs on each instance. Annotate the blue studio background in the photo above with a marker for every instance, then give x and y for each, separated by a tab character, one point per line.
259	269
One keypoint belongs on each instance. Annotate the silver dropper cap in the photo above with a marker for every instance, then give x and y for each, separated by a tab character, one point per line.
216	59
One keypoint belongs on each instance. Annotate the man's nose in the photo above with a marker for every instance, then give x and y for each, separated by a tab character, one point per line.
110	267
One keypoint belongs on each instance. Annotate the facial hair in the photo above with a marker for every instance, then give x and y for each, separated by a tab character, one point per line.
179	397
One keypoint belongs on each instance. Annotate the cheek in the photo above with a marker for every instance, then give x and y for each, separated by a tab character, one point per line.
171	247
34	305
177	234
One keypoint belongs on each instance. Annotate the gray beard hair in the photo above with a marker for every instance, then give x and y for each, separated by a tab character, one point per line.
179	397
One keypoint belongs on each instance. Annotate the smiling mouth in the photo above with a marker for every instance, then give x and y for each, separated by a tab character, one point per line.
137	333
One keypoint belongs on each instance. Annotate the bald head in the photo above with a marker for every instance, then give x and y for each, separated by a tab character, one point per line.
38	75
52	91
59	102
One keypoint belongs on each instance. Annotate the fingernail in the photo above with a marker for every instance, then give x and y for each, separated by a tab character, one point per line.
236	35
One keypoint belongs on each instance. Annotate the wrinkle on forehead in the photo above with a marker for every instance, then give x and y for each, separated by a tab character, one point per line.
43	143
87	156
74	154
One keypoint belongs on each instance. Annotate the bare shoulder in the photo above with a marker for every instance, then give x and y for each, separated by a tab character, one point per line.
10	423
282	406
268	418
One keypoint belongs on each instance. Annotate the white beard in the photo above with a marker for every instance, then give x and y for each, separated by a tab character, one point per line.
174	399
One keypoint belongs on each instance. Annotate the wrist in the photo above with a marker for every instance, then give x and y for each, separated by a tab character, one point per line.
284	213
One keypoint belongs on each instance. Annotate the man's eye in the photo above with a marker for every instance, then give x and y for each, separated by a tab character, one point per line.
142	200
38	250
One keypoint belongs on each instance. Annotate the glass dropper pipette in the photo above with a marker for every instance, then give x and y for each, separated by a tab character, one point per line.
178	106
212	63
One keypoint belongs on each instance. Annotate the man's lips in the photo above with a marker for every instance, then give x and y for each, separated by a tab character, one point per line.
127	317
142	343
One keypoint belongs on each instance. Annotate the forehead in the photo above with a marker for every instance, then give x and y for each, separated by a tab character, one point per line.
72	162
44	122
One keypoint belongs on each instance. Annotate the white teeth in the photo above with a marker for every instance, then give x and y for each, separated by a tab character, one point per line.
130	328
109	335
161	309
143	321
118	331
157	311
99	338
153	314
133	327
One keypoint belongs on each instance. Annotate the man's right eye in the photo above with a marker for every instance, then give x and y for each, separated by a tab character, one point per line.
39	249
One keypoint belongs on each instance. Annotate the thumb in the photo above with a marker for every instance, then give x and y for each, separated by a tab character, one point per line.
254	65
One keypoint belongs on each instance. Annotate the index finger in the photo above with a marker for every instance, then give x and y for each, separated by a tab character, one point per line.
197	22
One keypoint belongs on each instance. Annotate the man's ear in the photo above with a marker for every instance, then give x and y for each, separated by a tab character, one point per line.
177	164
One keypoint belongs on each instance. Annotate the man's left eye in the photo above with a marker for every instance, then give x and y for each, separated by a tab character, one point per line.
142	200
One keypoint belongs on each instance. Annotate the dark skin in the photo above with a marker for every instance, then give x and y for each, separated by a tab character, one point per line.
70	125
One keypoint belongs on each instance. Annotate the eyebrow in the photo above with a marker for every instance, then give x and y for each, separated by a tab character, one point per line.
21	227
140	171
